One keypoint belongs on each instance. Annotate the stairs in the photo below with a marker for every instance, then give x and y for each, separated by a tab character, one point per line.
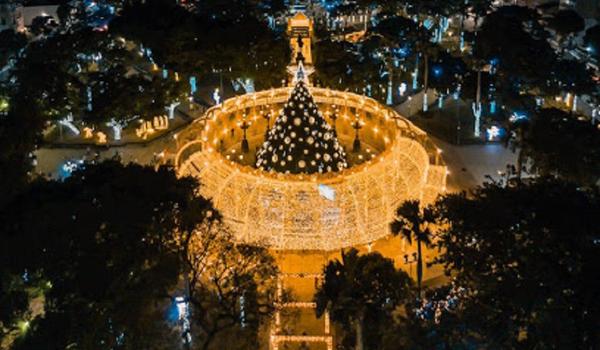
295	326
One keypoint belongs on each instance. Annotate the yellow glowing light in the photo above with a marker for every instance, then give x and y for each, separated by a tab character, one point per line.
285	211
23	326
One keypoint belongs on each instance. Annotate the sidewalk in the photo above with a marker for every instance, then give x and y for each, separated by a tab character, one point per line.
184	115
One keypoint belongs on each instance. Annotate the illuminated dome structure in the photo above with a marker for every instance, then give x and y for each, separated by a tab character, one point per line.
329	173
389	160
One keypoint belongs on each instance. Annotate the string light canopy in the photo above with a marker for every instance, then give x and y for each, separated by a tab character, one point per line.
325	211
301	140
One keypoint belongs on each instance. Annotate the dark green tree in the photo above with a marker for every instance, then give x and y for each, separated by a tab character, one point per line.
232	289
345	66
12	43
592	39
502	38
361	292
573	77
566	23
20	133
556	143
104	239
42	25
527	256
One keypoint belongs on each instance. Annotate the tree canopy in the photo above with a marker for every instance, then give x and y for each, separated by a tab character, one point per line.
361	292
592	38
113	245
559	144
103	240
236	44
566	22
527	256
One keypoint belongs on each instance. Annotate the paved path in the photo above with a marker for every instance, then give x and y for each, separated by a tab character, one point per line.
470	164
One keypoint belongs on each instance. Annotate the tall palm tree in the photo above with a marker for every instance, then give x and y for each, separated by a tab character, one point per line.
414	223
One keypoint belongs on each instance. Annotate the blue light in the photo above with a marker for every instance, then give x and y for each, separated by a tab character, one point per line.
67	168
403	51
437	71
173	313
428	23
517	116
494	133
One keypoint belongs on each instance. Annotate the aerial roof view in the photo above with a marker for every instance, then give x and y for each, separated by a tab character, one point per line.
299	174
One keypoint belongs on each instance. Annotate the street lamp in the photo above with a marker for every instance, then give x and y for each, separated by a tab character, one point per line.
357	125
244	126
409	260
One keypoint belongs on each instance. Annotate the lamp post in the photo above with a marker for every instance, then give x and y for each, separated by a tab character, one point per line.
356	144
244	126
409	260
267	117
334	116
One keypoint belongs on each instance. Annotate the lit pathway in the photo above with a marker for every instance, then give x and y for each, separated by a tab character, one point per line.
295	325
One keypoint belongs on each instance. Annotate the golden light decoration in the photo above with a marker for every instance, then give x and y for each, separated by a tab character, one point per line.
317	211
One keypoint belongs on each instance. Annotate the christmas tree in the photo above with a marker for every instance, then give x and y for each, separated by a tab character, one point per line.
301	141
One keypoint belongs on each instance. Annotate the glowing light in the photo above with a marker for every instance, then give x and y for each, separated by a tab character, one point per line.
326	192
336	208
493	133
24	326
216	96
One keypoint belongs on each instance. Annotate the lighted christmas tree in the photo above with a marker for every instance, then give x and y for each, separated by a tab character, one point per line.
301	141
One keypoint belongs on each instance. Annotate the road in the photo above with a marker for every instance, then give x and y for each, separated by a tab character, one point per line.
470	164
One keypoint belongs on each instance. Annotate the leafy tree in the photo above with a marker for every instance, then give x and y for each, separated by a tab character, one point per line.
391	36
446	74
104	240
401	32
572	76
20	132
502	38
414	223
237	45
592	39
361	292
122	97
479	9
232	289
14	303
58	73
12	43
527	256
559	144
172	32
344	66
116	243
566	22
42	25
42	76
434	323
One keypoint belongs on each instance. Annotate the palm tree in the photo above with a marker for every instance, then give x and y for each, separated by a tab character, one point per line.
362	291
414	222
